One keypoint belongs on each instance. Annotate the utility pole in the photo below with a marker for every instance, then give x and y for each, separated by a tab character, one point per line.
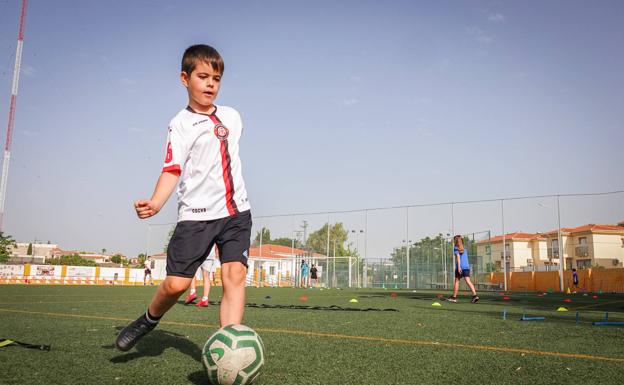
7	146
305	231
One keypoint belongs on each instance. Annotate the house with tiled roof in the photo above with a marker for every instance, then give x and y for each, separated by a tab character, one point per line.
588	245
582	247
272	265
278	265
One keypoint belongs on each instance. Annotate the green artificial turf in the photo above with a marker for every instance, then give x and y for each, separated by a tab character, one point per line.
419	344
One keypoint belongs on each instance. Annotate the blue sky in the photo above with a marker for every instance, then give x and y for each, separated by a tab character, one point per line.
346	105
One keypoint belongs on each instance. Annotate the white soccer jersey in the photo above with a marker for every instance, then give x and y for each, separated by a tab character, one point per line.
204	149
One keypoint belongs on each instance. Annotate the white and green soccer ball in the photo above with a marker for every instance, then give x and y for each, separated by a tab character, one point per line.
233	355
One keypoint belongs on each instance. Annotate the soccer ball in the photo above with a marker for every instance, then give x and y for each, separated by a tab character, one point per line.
234	354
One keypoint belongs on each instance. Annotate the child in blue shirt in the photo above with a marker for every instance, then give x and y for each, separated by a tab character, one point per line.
305	270
575	279
462	269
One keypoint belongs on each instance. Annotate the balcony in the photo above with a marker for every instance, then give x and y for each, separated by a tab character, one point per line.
553	252
581	251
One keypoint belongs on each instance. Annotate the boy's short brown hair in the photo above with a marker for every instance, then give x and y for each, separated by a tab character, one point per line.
201	52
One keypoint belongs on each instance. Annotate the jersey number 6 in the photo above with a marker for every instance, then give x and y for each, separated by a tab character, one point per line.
169	155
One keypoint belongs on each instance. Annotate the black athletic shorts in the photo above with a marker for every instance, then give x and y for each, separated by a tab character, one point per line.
192	241
465	273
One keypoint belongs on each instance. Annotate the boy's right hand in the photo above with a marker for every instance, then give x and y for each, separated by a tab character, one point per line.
145	209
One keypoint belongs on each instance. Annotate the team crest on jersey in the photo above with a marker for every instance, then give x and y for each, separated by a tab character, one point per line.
221	131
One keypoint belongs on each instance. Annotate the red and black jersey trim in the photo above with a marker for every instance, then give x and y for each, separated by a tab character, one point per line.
226	164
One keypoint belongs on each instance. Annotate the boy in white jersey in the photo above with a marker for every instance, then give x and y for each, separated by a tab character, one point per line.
147	264
202	154
207	269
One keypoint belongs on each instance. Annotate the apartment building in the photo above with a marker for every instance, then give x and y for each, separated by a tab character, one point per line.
581	247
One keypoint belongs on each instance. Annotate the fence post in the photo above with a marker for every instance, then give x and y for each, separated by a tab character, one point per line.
350	262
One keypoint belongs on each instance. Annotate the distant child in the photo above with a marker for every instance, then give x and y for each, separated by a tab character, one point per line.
203	155
147	264
313	276
207	269
575	280
305	271
462	269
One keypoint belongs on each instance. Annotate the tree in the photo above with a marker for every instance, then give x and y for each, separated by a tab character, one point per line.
117	258
317	241
285	241
140	260
103	251
71	260
266	237
29	251
6	243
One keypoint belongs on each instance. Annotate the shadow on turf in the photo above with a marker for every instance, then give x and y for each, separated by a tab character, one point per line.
155	343
199	377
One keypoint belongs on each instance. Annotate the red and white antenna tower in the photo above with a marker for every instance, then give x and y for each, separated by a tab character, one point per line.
7	146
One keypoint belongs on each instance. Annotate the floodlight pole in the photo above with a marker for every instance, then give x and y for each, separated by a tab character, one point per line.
452	276
260	256
357	251
560	246
327	251
149	231
334	283
365	268
443	255
407	245
504	249
453	218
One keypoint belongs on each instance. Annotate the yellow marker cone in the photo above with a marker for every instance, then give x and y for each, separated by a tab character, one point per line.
562	309
568	291
353	300
436	304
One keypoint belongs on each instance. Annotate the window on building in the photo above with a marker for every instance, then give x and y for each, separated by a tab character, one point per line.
583	263
583	241
272	270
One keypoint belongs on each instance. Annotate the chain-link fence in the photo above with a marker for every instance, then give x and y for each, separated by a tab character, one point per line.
411	246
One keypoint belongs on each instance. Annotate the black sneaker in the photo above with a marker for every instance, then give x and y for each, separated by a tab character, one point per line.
132	333
451	299
475	299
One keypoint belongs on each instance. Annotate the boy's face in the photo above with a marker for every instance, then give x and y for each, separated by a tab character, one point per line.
202	86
